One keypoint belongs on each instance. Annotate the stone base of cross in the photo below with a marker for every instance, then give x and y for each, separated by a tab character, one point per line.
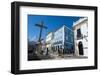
39	45
39	50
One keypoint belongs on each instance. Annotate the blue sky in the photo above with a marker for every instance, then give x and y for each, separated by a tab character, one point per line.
51	22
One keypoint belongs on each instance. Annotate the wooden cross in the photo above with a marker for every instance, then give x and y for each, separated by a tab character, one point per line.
41	26
39	46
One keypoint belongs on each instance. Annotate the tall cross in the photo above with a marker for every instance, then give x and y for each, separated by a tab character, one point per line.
41	26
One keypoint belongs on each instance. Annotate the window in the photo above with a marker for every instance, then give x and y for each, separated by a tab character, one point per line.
78	33
60	46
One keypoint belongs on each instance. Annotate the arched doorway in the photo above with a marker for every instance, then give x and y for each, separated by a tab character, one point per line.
80	47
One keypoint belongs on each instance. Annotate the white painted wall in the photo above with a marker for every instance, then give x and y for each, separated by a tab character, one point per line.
49	37
83	26
49	40
5	35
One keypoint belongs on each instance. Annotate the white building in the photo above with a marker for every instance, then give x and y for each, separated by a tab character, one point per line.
49	39
80	29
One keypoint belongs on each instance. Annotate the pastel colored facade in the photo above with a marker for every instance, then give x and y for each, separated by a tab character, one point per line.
80	29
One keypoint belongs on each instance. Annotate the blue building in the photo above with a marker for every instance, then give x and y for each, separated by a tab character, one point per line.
63	38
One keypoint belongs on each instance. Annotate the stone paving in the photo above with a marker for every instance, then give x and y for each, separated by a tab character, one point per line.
63	57
54	56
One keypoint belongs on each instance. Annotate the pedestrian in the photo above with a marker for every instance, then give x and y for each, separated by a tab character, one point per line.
47	51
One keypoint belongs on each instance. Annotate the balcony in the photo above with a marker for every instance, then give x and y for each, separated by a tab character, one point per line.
79	36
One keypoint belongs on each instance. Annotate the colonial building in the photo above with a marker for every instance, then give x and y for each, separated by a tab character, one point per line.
49	39
61	39
80	29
